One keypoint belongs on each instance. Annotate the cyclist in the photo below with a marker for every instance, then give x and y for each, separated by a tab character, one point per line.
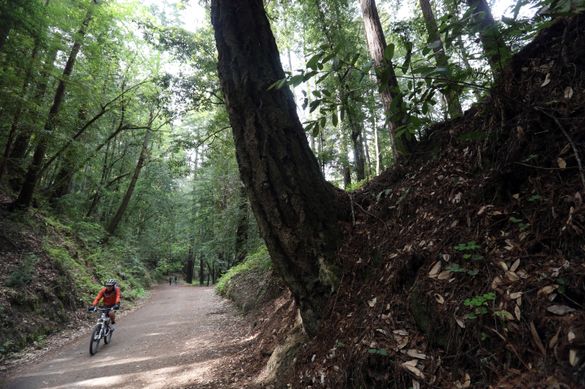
110	294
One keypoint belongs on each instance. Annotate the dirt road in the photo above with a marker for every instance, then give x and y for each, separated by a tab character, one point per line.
176	340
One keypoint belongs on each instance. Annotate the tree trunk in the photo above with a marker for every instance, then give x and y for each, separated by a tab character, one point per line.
296	209
494	47
201	270
189	267
128	195
17	113
451	92
392	100
358	149
14	160
25	197
242	229
97	194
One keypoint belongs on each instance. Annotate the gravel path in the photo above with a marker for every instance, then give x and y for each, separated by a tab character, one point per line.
179	338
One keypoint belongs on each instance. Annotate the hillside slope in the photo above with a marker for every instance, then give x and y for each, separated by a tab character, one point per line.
465	266
50	270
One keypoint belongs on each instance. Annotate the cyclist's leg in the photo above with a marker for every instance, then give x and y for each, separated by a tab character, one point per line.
112	316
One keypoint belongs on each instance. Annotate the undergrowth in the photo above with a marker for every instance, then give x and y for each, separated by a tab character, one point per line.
51	268
259	260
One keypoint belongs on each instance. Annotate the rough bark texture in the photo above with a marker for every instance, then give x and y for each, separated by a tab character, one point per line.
386	77
242	229
296	209
25	196
130	191
496	50
450	92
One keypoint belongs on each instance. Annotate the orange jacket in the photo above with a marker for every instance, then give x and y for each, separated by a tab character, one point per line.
110	298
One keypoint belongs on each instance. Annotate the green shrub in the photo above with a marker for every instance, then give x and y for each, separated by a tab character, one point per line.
259	260
24	273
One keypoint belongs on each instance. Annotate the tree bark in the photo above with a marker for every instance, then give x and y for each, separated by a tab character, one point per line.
189	267
451	92
494	47
391	95
25	196
242	228
296	209
201	270
113	225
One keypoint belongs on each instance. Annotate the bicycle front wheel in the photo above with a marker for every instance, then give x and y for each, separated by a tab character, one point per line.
95	340
108	336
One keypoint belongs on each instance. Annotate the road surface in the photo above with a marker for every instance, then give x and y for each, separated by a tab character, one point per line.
177	339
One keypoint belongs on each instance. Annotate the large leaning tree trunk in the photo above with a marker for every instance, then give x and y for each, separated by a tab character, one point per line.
296	209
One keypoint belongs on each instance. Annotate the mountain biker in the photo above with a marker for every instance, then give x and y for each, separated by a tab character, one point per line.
110	294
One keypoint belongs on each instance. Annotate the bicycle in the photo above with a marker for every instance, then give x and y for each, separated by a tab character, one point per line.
102	330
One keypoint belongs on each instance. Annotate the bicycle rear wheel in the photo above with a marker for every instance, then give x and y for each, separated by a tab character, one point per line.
95	340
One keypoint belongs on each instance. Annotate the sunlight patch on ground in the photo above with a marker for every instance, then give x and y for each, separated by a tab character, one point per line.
100	382
116	361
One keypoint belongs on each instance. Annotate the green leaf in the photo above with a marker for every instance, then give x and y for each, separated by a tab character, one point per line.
314	105
295	80
389	52
334	119
379	351
278	84
312	63
407	58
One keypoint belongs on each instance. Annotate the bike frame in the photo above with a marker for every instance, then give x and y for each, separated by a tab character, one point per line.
103	321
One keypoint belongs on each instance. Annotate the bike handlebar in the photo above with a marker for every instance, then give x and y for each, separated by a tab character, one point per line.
96	309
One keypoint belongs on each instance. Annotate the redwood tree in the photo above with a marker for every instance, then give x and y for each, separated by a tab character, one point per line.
494	46
390	91
298	212
450	92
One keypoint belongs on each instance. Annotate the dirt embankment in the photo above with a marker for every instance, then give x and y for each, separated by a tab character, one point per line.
466	265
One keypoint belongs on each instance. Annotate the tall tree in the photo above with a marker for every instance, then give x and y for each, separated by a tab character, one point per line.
392	99
25	196
15	156
494	46
296	209
450	91
113	225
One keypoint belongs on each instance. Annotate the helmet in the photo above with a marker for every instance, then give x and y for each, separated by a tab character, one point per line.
111	282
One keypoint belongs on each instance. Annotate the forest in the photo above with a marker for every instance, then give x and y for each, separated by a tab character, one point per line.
409	173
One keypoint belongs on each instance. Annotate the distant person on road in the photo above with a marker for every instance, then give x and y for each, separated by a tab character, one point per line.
110	296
